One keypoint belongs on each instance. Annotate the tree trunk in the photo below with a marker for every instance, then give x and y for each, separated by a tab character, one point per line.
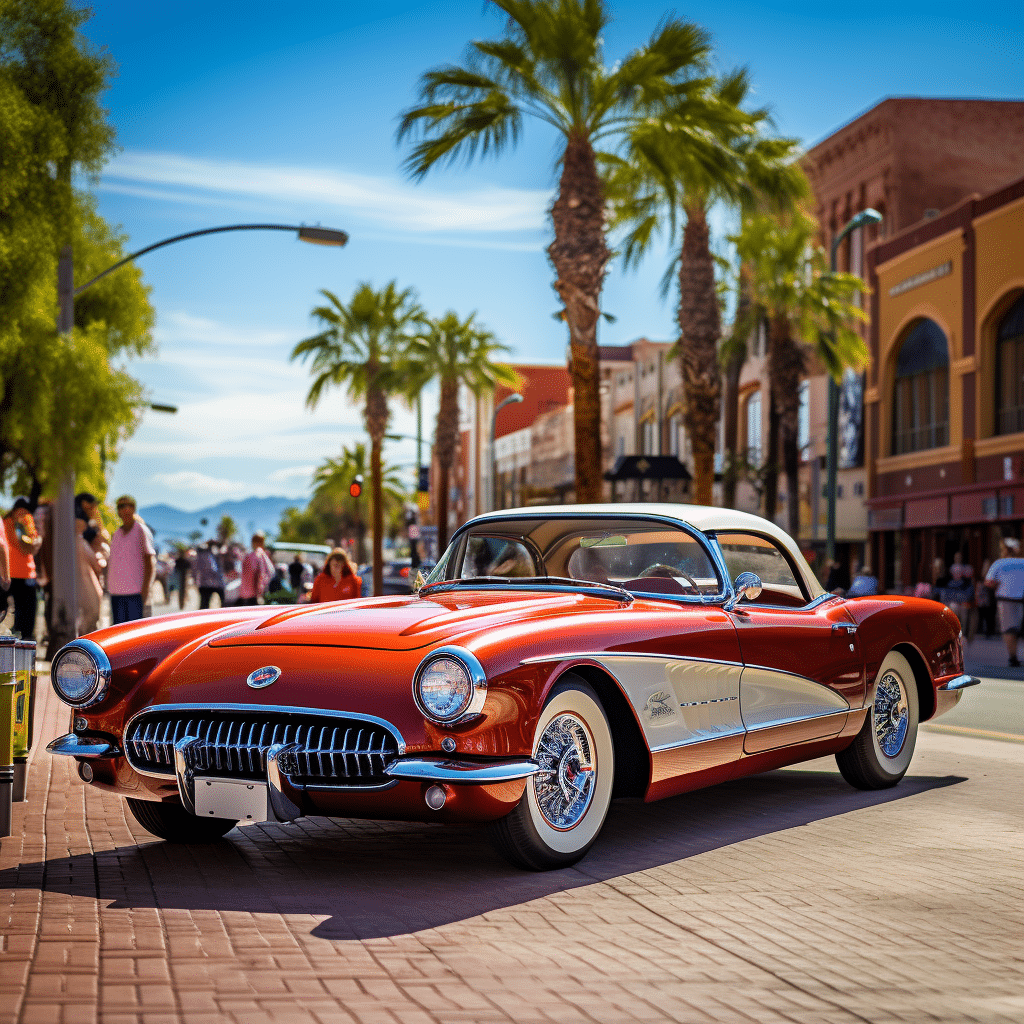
785	368
376	425
579	256
445	443
700	327
736	357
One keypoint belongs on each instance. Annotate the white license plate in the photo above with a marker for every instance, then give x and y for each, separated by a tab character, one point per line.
244	802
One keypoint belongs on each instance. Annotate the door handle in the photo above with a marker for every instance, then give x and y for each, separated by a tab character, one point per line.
844	627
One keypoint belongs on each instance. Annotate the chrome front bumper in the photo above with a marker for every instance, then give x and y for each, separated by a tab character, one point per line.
73	745
440	769
960	683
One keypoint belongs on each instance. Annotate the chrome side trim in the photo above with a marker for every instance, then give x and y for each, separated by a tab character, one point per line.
103	671
428	769
74	745
281	804
961	682
184	774
276	709
539	659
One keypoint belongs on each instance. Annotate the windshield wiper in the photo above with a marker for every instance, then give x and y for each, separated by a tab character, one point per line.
611	590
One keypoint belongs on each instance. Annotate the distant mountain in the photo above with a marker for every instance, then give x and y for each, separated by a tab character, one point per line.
170	524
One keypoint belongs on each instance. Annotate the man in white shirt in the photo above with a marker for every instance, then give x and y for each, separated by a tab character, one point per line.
132	564
1006	578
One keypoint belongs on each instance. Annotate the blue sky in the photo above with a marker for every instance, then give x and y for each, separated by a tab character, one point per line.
229	112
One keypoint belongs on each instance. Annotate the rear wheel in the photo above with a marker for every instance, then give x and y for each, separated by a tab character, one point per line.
565	804
880	755
173	823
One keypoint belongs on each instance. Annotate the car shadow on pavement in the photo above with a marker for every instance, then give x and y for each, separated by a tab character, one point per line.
377	879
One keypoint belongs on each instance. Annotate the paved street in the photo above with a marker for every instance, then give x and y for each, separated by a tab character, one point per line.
787	897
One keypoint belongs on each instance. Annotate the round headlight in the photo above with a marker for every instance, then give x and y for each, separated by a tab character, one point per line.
80	673
450	685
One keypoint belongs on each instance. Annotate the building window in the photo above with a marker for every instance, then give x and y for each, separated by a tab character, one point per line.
754	429
803	421
1010	370
675	427
920	417
648	438
620	447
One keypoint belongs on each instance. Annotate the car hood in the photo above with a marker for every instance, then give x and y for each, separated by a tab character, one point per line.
402	623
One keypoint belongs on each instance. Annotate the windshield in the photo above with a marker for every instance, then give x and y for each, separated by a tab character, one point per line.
641	556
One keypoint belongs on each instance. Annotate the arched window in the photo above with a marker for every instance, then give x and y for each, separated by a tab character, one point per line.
920	401
1010	370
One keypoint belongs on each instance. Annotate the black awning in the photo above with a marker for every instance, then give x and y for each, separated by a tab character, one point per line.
648	467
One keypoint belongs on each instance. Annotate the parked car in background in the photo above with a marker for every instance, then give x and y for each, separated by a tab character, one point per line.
555	658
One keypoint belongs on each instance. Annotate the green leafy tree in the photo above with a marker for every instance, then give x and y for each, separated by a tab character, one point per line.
61	402
227	529
550	65
455	352
808	309
707	150
362	349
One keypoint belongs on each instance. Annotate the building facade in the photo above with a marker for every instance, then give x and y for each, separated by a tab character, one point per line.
945	396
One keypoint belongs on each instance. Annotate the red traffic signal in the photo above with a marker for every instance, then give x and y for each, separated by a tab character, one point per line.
355	489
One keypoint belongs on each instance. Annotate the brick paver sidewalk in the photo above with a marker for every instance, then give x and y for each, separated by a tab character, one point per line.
788	897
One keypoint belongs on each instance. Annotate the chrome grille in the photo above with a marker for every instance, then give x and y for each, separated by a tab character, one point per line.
234	744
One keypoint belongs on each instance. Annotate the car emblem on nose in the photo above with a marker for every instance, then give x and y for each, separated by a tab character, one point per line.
263	676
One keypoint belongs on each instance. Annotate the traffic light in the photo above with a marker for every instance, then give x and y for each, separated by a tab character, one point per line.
355	489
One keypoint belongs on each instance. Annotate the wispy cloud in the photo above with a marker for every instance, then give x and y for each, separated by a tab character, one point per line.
178	326
385	201
190	482
302	473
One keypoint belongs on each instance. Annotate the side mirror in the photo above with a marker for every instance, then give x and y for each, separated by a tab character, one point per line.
747	585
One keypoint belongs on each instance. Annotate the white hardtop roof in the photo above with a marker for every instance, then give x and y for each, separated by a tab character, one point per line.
705	518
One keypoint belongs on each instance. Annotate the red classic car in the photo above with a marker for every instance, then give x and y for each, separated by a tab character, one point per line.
554	659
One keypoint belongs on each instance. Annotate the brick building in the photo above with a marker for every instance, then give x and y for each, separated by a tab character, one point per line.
945	395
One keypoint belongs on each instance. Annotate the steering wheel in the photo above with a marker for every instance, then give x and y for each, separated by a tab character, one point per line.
661	569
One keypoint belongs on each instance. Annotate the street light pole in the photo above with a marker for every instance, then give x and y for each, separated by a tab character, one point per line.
867	216
63	625
513	398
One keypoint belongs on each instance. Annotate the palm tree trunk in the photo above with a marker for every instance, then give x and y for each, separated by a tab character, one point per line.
445	443
579	255
700	327
785	368
376	425
736	357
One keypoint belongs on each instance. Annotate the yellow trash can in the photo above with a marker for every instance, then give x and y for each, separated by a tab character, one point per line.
7	676
24	655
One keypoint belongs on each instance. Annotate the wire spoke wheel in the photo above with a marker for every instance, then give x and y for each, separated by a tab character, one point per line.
891	714
565	787
880	754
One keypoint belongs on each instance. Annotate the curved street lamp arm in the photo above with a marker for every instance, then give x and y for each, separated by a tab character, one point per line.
336	238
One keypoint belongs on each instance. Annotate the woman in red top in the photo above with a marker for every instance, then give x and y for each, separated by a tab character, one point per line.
338	581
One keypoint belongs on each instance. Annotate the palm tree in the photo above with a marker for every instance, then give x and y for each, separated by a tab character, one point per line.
806	307
456	352
550	65
361	348
226	530
334	477
707	151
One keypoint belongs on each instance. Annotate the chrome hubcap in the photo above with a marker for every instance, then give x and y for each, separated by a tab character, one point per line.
565	784
891	714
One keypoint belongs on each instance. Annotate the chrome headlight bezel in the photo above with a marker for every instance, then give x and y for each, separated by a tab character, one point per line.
477	685
101	678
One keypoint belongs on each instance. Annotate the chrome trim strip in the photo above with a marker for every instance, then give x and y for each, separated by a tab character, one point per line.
541	658
477	677
74	745
428	769
184	774
103	671
961	682
697	740
282	806
276	709
757	729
